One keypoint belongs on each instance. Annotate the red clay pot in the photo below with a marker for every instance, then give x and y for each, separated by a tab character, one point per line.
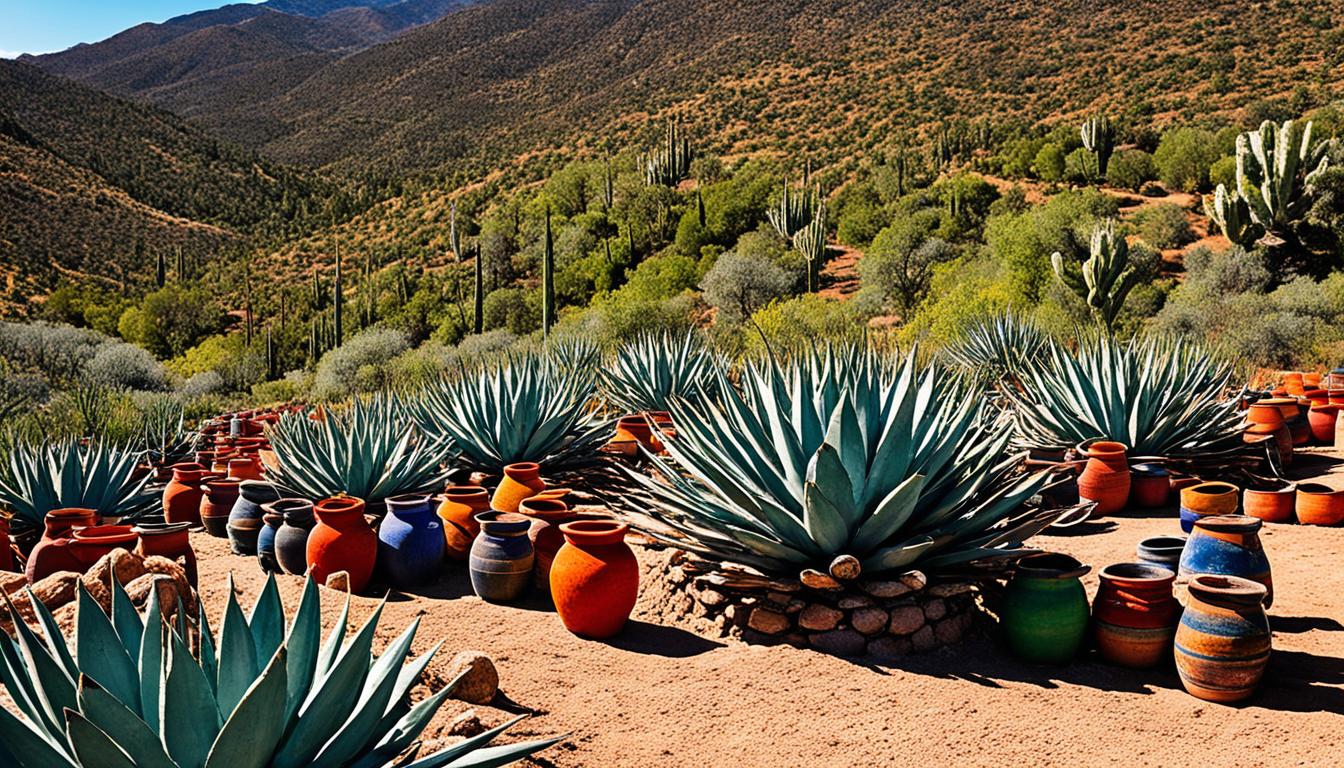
548	515
1274	505
594	578
59	523
1319	504
1336	396
1135	614
521	481
182	495
1105	478
342	540
1150	486
78	550
1321	419
220	494
170	540
458	508
632	431
246	468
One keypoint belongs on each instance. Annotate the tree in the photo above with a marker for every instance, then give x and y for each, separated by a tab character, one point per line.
741	283
1183	158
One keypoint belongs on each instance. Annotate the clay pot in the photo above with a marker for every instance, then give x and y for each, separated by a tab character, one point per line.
342	541
1265	421
548	516
1162	551
501	558
1335	379
170	540
1223	640
521	481
1227	545
1321	419
59	523
1318	397
1207	499
410	541
291	537
1105	478
1336	396
1135	614
458	507
1311	379
633	432
1149	487
245	517
1273	505
595	578
244	469
182	495
78	550
1180	482
271	522
1319	504
217	504
1044	615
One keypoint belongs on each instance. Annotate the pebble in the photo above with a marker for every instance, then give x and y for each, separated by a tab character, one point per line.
885	589
768	622
481	681
868	621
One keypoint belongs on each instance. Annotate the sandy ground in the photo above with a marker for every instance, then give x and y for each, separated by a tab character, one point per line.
660	695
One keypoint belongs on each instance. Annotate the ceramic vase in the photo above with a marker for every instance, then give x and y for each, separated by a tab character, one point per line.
291	538
271	522
521	481
1227	545
501	559
1135	614
594	579
245	468
79	549
1319	504
1223	640
1273	505
245	517
1045	608
170	540
58	525
1205	500
1163	551
1265	422
410	541
182	495
219	496
1321	419
342	541
1150	486
458	507
1105	478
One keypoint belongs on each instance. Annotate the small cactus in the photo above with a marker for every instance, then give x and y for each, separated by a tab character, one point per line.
1099	139
671	163
1232	214
1106	277
795	211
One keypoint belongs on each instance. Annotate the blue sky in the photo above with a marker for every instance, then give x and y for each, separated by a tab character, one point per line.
41	26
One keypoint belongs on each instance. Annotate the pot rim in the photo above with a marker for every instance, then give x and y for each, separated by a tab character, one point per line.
1218	588
457	492
543	508
1230	523
1107	448
1207	488
1289	488
1052	565
525	467
503	523
1319	489
1137	573
104	534
338	505
594	532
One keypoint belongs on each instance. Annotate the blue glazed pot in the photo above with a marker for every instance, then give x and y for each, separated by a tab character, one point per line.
266	543
291	539
410	541
1164	551
245	516
501	557
1227	545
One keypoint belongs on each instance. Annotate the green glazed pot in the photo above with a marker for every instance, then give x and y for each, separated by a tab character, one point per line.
1045	610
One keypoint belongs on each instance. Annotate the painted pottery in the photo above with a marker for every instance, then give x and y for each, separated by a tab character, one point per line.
547	516
1105	478
1223	640
1265	421
1163	551
1207	499
342	541
1150	485
245	517
1273	505
501	557
521	481
458	507
58	525
217	504
410	541
245	468
1319	504
1321	419
170	540
291	538
271	522
1135	614
182	495
594	580
1045	611
1227	545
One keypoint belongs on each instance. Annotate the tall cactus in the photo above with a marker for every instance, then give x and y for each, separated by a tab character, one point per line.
478	292
270	355
794	211
548	280
1099	139
1106	277
454	236
670	163
810	242
1275	173
160	270
181	266
1232	214
338	300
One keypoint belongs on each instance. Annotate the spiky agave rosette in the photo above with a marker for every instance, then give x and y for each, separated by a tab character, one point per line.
648	372
841	453
36	478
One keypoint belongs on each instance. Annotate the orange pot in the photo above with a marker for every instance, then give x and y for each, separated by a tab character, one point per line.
342	540
634	430
594	578
1319	504
1272	506
1207	500
1294	384
521	481
1311	379
1337	397
244	469
1322	418
182	495
1106	477
458	509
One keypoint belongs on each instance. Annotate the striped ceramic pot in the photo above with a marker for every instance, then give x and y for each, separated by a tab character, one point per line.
1227	545
1205	500
1134	614
501	558
1223	641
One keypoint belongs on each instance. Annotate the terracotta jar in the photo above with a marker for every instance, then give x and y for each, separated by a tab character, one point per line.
245	518
220	495
1227	545
1135	614
1150	486
521	481
1162	551
291	537
1105	478
182	495
78	550
1318	397
1273	505
1319	504
205	458
59	523
342	541
1044	614
501	559
1312	379
410	541
595	578
1321	419
1223	640
458	507
1207	499
633	432
245	468
548	516
1336	396
170	540
1294	383
1265	422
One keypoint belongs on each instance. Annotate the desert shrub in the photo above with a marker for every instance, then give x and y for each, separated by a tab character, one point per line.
58	353
897	269
1078	166
661	277
1223	171
1130	169
1049	163
514	309
239	365
172	320
962	292
741	283
801	322
1183	158
860	214
1023	242
1163	226
279	391
204	384
358	365
119	365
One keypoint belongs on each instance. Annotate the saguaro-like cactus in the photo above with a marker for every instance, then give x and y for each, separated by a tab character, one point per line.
1232	214
794	211
338	300
810	242
271	366
548	280
1275	172
454	237
1099	139
1106	277
671	162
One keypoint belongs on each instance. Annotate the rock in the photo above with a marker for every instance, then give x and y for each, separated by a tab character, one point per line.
819	618
339	581
885	589
768	622
915	580
841	642
712	598
66	616
753	637
935	609
57	589
818	580
924	639
161	587
906	620
780	599
950	590
796	605
127	566
170	568
868	621
948	631
12	582
888	647
481	681
466	724
855	601
785	585
845	567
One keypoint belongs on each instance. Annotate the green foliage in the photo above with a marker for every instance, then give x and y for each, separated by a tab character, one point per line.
861	215
801	322
743	281
1163	226
171	320
238	365
649	372
1023	242
1049	163
1131	169
38	476
998	347
513	309
962	293
898	268
1183	158
668	164
360	365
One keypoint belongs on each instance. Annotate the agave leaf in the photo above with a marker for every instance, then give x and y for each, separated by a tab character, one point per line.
100	653
890	515
187	739
302	644
237	656
22	686
29	747
133	734
127	624
55	689
51	634
151	665
92	747
249	736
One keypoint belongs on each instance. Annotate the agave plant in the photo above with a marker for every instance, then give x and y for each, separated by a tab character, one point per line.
840	453
526	407
999	347
369	449
36	478
647	373
1158	396
162	430
131	693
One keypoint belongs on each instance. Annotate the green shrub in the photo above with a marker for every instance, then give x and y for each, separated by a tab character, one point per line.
1049	163
896	271
1183	158
1130	169
1223	171
801	322
118	365
514	309
1023	242
741	283
358	365
962	293
1163	226
172	320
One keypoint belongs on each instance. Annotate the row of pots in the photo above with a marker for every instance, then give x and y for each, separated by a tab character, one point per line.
1307	503
637	431
74	539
